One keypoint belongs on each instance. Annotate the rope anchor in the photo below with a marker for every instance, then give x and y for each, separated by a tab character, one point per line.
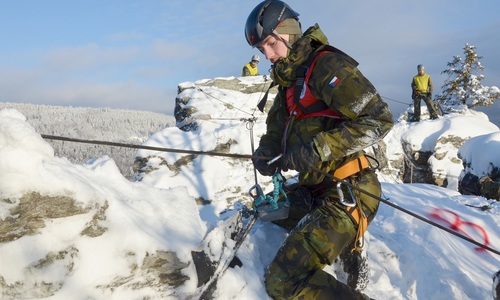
271	207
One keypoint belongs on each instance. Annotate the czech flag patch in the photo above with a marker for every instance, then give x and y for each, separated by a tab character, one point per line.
335	80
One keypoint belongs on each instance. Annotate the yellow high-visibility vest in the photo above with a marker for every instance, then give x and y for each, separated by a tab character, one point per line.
422	83
248	70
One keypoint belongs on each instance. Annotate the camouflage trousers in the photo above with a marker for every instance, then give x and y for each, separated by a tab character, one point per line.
319	236
489	188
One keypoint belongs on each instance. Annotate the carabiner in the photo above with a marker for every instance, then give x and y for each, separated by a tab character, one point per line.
341	195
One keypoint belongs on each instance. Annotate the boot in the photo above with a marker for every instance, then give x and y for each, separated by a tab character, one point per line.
496	286
355	265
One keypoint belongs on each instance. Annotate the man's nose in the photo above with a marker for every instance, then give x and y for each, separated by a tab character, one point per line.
267	53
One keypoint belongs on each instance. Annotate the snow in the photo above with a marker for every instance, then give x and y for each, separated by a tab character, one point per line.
424	136
485	162
409	258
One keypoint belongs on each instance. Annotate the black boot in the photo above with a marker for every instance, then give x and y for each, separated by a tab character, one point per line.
496	286
355	265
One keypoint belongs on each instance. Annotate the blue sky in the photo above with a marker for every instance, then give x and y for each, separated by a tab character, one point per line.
133	54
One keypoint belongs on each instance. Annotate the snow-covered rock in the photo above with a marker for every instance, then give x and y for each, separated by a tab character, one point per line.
427	151
210	115
85	228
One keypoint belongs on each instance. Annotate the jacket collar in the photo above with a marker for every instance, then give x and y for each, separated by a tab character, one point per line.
284	71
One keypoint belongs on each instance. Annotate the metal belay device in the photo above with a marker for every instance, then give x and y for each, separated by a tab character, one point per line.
274	205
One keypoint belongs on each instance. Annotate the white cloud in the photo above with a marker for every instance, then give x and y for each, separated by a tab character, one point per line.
29	87
174	51
89	56
134	35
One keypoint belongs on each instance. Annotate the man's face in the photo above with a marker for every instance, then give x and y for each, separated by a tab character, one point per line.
255	63
274	48
421	71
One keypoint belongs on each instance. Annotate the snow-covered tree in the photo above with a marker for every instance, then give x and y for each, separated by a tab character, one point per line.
463	87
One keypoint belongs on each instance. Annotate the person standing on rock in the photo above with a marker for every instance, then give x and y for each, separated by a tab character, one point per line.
325	113
422	87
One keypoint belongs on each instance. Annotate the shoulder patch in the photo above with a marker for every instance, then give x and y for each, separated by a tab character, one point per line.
334	82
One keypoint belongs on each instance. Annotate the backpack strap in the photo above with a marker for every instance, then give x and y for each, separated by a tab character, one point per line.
262	102
301	77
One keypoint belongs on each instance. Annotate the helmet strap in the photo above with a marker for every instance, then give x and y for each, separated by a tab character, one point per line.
287	44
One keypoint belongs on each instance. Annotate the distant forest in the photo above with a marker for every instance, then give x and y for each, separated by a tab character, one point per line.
104	124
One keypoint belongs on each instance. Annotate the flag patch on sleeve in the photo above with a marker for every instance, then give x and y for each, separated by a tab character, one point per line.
335	80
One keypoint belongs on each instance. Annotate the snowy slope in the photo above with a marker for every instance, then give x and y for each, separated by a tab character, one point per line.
409	259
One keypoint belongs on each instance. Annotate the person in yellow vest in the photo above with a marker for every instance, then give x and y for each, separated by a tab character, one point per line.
421	86
251	68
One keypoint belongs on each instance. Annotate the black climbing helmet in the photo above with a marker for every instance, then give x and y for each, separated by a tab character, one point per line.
264	18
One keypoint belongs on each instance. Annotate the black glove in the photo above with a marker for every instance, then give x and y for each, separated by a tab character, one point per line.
300	194
429	95
261	164
300	158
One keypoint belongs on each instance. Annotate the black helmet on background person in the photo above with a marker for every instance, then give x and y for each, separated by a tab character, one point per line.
264	19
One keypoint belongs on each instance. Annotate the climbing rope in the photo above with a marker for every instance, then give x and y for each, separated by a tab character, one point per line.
247	156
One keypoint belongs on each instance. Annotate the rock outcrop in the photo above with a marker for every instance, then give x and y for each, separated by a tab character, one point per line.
429	149
186	114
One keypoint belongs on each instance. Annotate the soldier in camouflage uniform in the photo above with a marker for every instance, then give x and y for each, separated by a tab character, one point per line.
490	188
471	184
349	116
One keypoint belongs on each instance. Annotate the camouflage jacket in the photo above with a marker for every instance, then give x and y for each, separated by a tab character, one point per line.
365	118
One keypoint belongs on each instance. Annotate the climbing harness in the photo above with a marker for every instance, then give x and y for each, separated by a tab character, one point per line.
352	206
